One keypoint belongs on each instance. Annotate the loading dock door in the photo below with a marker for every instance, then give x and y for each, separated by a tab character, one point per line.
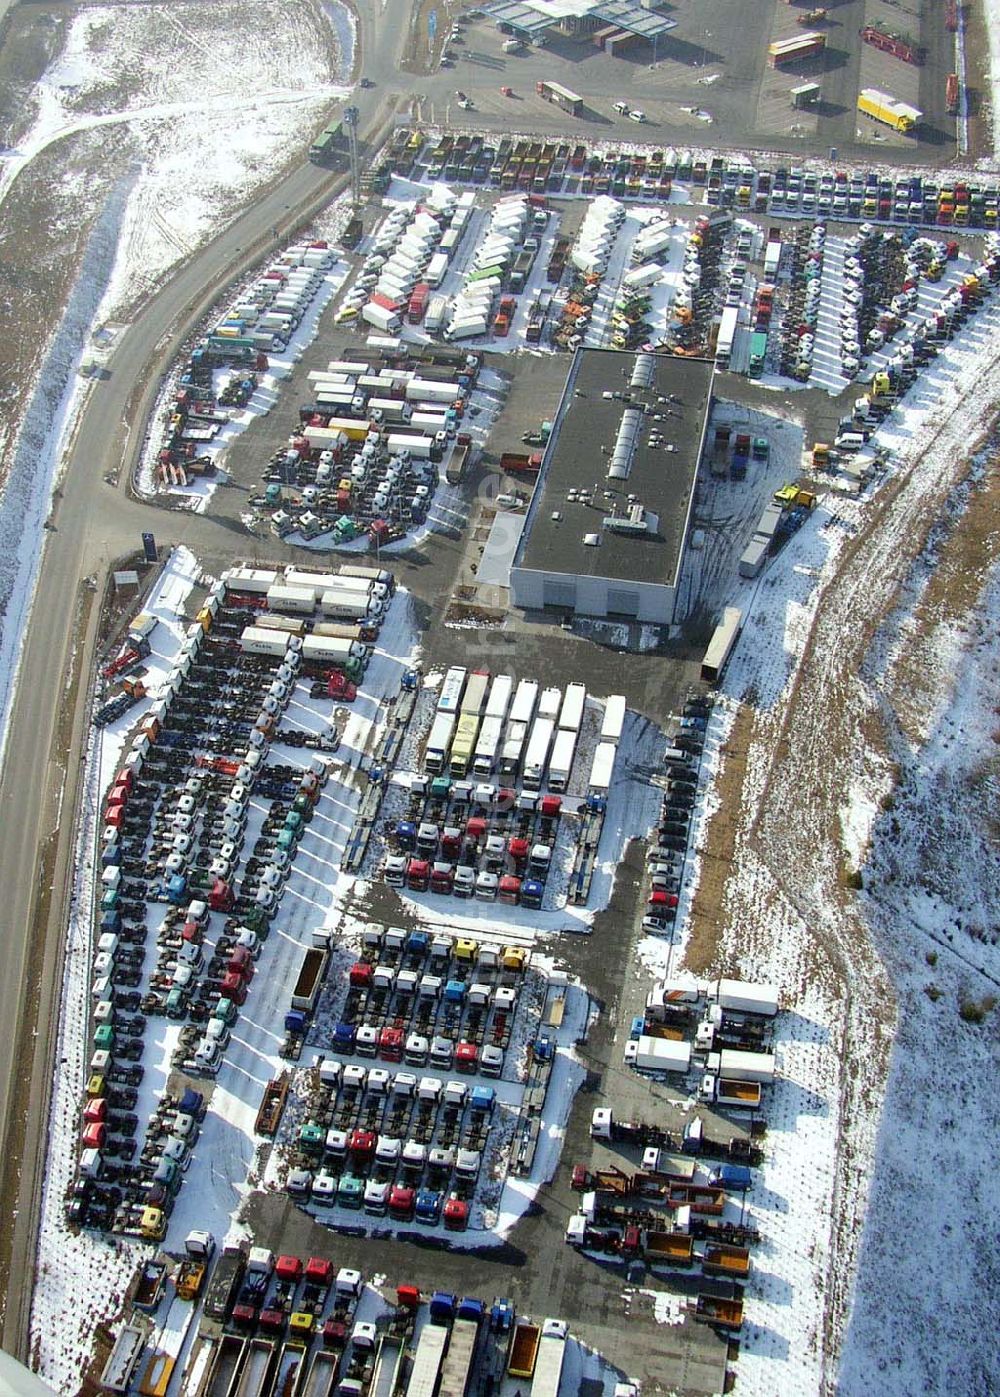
558	593
622	603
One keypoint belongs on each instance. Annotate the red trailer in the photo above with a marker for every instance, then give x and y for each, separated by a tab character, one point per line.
900	46
951	93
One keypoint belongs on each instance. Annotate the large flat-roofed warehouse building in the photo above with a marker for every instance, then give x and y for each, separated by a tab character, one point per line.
609	519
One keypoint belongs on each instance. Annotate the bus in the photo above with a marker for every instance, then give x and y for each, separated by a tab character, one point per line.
720	647
561	96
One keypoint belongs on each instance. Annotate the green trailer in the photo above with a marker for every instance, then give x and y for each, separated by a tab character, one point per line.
758	353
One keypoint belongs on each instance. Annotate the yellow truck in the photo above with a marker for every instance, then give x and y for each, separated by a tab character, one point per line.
887	110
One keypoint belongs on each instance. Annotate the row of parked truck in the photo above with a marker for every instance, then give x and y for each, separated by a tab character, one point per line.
176	822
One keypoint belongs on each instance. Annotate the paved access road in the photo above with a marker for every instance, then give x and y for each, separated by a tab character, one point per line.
96	524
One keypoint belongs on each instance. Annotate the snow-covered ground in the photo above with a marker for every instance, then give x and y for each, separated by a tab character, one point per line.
212	112
927	1280
194	160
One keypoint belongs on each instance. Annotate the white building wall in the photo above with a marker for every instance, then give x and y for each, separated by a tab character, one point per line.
594	596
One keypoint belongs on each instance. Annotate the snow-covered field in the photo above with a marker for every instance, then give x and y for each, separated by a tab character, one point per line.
212	111
927	1280
212	114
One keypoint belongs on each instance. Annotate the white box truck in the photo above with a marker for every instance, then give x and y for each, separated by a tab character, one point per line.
561	761
386	321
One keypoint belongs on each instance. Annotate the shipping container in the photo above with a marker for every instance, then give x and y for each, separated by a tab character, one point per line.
252	580
256	640
347	606
300	601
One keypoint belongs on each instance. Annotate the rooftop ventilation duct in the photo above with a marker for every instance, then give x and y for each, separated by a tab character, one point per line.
644	371
625	444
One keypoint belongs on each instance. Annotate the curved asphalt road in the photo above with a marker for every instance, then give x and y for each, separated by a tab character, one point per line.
96	524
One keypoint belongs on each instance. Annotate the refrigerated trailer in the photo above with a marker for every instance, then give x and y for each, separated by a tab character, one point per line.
614	719
571	712
450	696
537	754
522	710
487	745
499	698
721	645
439	742
561	761
513	749
601	769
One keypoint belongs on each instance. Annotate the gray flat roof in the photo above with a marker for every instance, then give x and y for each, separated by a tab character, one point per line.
578	457
501	545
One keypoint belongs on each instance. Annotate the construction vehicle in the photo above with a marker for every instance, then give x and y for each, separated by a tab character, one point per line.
199	1247
524	1350
272	1105
717	1310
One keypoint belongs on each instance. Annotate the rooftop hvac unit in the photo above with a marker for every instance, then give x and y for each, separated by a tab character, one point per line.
637	521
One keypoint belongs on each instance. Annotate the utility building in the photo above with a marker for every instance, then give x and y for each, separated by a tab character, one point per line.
607	527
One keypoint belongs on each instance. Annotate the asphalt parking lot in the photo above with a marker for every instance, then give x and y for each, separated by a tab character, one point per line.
711	84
